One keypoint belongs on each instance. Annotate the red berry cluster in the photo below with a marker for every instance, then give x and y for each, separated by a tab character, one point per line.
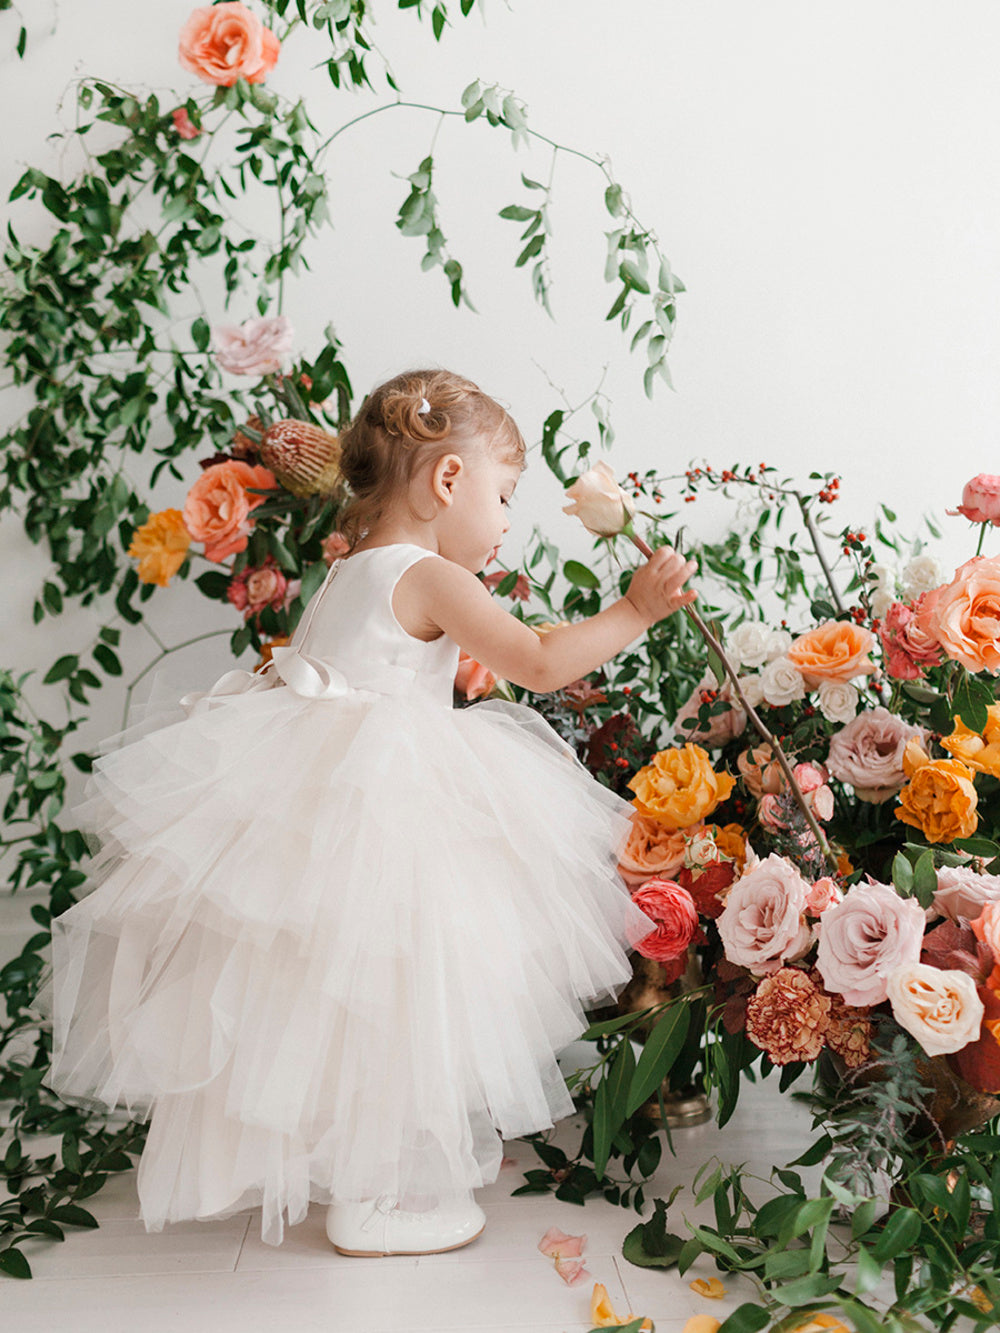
829	492
853	541
858	614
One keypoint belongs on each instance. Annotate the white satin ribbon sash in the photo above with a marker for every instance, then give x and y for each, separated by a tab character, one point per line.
308	677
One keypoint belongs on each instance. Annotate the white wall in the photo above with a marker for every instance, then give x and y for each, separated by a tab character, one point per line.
824	177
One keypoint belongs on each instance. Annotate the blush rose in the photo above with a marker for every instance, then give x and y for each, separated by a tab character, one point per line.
866	938
599	502
256	347
763	923
868	754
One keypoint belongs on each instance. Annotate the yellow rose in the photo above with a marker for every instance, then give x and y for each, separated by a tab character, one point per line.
679	787
940	798
979	750
161	546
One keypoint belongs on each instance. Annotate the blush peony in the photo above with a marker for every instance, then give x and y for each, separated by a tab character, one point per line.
680	787
868	753
225	42
672	911
763	923
257	347
866	938
981	500
218	506
940	1009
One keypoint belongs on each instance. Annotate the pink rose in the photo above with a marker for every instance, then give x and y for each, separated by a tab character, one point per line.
226	42
257	347
722	727
866	938
253	589
821	895
961	892
763	923
675	916
335	547
183	124
907	641
981	500
868	754
472	679
811	779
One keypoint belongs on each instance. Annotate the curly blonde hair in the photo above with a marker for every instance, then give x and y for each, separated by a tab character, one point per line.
392	436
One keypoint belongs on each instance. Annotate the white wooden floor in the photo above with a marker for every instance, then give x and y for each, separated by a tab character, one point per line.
220	1278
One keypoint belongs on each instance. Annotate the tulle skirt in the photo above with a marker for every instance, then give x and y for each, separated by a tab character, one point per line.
334	947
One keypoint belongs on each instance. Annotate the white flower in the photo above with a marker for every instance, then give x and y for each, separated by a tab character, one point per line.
257	347
883	589
940	1008
753	690
778	643
922	574
747	644
599	502
838	700
782	682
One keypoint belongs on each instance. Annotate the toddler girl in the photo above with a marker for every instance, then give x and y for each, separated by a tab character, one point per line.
341	929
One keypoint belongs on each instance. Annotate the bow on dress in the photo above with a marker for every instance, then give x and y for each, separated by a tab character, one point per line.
309	677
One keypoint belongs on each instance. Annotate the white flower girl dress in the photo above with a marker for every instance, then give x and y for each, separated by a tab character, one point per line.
340	929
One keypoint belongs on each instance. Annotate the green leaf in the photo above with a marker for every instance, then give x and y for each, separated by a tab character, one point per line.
580	576
746	1318
517	213
14	1264
863	1217
971	700
901	1233
65	666
610	1025
108	659
73	1215
925	879
613	200
610	1102
804	1290
902	874
661	1049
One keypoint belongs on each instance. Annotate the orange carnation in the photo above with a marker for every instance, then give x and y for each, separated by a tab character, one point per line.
680	787
217	508
940	798
980	750
835	650
223	43
964	616
161	546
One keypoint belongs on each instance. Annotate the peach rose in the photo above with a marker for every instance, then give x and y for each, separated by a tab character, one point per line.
940	798
674	916
979	750
981	500
986	929
161	546
760	771
223	43
599	502
866	938
472	679
940	1009
680	787
763	923
650	851
218	506
965	615
835	650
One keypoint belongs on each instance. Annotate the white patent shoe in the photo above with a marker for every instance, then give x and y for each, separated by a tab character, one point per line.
378	1227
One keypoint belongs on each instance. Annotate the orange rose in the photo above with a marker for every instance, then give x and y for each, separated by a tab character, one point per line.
979	750
731	842
940	798
218	506
650	851
223	43
835	650
964	616
161	546
679	787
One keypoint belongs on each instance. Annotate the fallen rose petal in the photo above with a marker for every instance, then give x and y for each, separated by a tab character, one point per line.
571	1270
602	1314
710	1287
702	1323
557	1245
820	1323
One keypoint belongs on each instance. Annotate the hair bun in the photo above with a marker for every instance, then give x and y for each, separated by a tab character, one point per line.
408	412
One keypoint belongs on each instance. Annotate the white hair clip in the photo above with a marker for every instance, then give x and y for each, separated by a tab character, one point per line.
423	408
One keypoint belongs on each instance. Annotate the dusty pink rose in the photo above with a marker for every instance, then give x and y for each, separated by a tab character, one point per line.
218	506
257	347
866	938
183	124
965	615
223	43
254	588
821	895
672	911
981	500
334	548
763	924
961	892
521	590
909	646
811	779
868	754
722	727
472	679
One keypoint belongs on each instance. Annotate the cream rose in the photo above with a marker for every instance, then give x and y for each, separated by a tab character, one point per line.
838	700
940	1009
868	754
866	938
763	924
781	682
923	573
753	690
748	643
883	589
599	502
778	643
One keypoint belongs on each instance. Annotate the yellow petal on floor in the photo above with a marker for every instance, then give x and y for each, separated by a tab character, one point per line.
814	1322
602	1313
702	1323
710	1287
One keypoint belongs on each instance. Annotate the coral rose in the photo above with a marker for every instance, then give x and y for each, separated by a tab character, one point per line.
964	616
218	506
907	641
981	500
650	850
161	546
763	923
835	650
599	502
961	892
940	798
672	911
866	938
226	42
788	1016
986	928
472	679
868	754
940	1009
256	347
823	894
979	750
680	787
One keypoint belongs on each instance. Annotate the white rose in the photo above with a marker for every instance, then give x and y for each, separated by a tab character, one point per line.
781	682
257	347
838	700
883	589
747	643
753	690
599	502
940	1009
922	574
778	643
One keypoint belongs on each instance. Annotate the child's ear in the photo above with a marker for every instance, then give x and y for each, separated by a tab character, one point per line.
444	477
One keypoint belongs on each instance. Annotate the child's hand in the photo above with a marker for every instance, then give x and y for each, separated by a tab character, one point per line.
657	588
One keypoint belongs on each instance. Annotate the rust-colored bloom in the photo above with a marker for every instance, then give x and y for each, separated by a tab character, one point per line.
680	787
161	546
980	750
788	1016
849	1033
940	798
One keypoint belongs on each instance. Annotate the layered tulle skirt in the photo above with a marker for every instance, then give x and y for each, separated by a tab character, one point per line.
334	947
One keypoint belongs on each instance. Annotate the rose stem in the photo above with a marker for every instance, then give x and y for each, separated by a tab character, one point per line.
765	734
817	547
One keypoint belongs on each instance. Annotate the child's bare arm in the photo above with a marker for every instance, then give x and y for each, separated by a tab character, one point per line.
440	593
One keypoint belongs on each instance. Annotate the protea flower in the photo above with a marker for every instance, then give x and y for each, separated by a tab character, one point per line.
303	456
